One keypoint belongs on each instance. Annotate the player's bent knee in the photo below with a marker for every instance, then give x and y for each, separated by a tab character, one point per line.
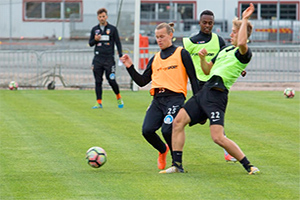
166	134
219	140
147	131
179	123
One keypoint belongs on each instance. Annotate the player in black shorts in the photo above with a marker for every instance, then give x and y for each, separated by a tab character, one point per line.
213	43
210	102
169	71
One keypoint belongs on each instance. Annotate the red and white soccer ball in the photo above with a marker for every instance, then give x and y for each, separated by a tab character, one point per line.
289	93
13	85
96	157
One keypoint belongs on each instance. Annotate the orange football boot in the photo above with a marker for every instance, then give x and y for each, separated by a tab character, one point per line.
162	158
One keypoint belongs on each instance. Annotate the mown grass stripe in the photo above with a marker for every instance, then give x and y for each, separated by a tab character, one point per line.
44	136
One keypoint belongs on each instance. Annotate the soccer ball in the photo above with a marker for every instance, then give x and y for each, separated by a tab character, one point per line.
13	85
96	157
289	93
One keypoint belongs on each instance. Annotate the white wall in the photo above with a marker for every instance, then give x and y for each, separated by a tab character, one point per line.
26	29
4	20
90	7
216	6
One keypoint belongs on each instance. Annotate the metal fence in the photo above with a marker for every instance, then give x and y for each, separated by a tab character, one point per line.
266	31
72	68
68	68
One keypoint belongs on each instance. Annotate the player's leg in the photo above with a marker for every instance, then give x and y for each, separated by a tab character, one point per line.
174	103
178	140
227	156
110	74
98	75
191	114
152	122
231	147
218	137
178	133
214	103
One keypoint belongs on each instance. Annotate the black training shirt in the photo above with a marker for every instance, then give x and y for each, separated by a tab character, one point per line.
202	38
105	47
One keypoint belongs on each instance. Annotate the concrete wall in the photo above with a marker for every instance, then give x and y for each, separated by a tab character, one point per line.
12	24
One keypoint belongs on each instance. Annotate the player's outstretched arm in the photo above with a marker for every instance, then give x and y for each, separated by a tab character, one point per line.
242	35
140	79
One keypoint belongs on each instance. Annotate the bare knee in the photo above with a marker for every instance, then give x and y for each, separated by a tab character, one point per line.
177	127
218	140
180	121
217	134
177	123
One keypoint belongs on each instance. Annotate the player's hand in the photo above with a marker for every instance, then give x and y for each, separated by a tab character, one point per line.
126	60
97	37
202	53
248	12
120	63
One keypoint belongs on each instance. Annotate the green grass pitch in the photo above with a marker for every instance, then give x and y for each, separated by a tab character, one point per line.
44	136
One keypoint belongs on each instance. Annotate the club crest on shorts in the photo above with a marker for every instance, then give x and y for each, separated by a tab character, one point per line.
112	76
168	119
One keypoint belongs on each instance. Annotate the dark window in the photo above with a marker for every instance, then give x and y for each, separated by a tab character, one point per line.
33	10
186	10
37	10
164	11
288	11
52	10
72	8
268	11
147	11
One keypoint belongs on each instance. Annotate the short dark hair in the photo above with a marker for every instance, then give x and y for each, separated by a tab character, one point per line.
207	12
101	10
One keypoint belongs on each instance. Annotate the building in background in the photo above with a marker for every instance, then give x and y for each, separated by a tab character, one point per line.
72	19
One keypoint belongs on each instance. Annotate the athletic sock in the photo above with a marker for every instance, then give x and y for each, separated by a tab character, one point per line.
246	164
177	155
99	101
226	153
118	96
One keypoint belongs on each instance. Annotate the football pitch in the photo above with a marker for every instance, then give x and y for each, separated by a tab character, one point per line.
44	136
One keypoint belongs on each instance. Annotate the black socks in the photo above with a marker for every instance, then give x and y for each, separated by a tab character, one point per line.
246	164
177	156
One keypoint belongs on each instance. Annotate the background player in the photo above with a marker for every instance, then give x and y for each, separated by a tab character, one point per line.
104	36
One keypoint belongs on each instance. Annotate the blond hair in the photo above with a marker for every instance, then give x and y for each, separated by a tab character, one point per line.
168	26
237	23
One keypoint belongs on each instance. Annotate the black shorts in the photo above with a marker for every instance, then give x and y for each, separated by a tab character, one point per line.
162	112
207	103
